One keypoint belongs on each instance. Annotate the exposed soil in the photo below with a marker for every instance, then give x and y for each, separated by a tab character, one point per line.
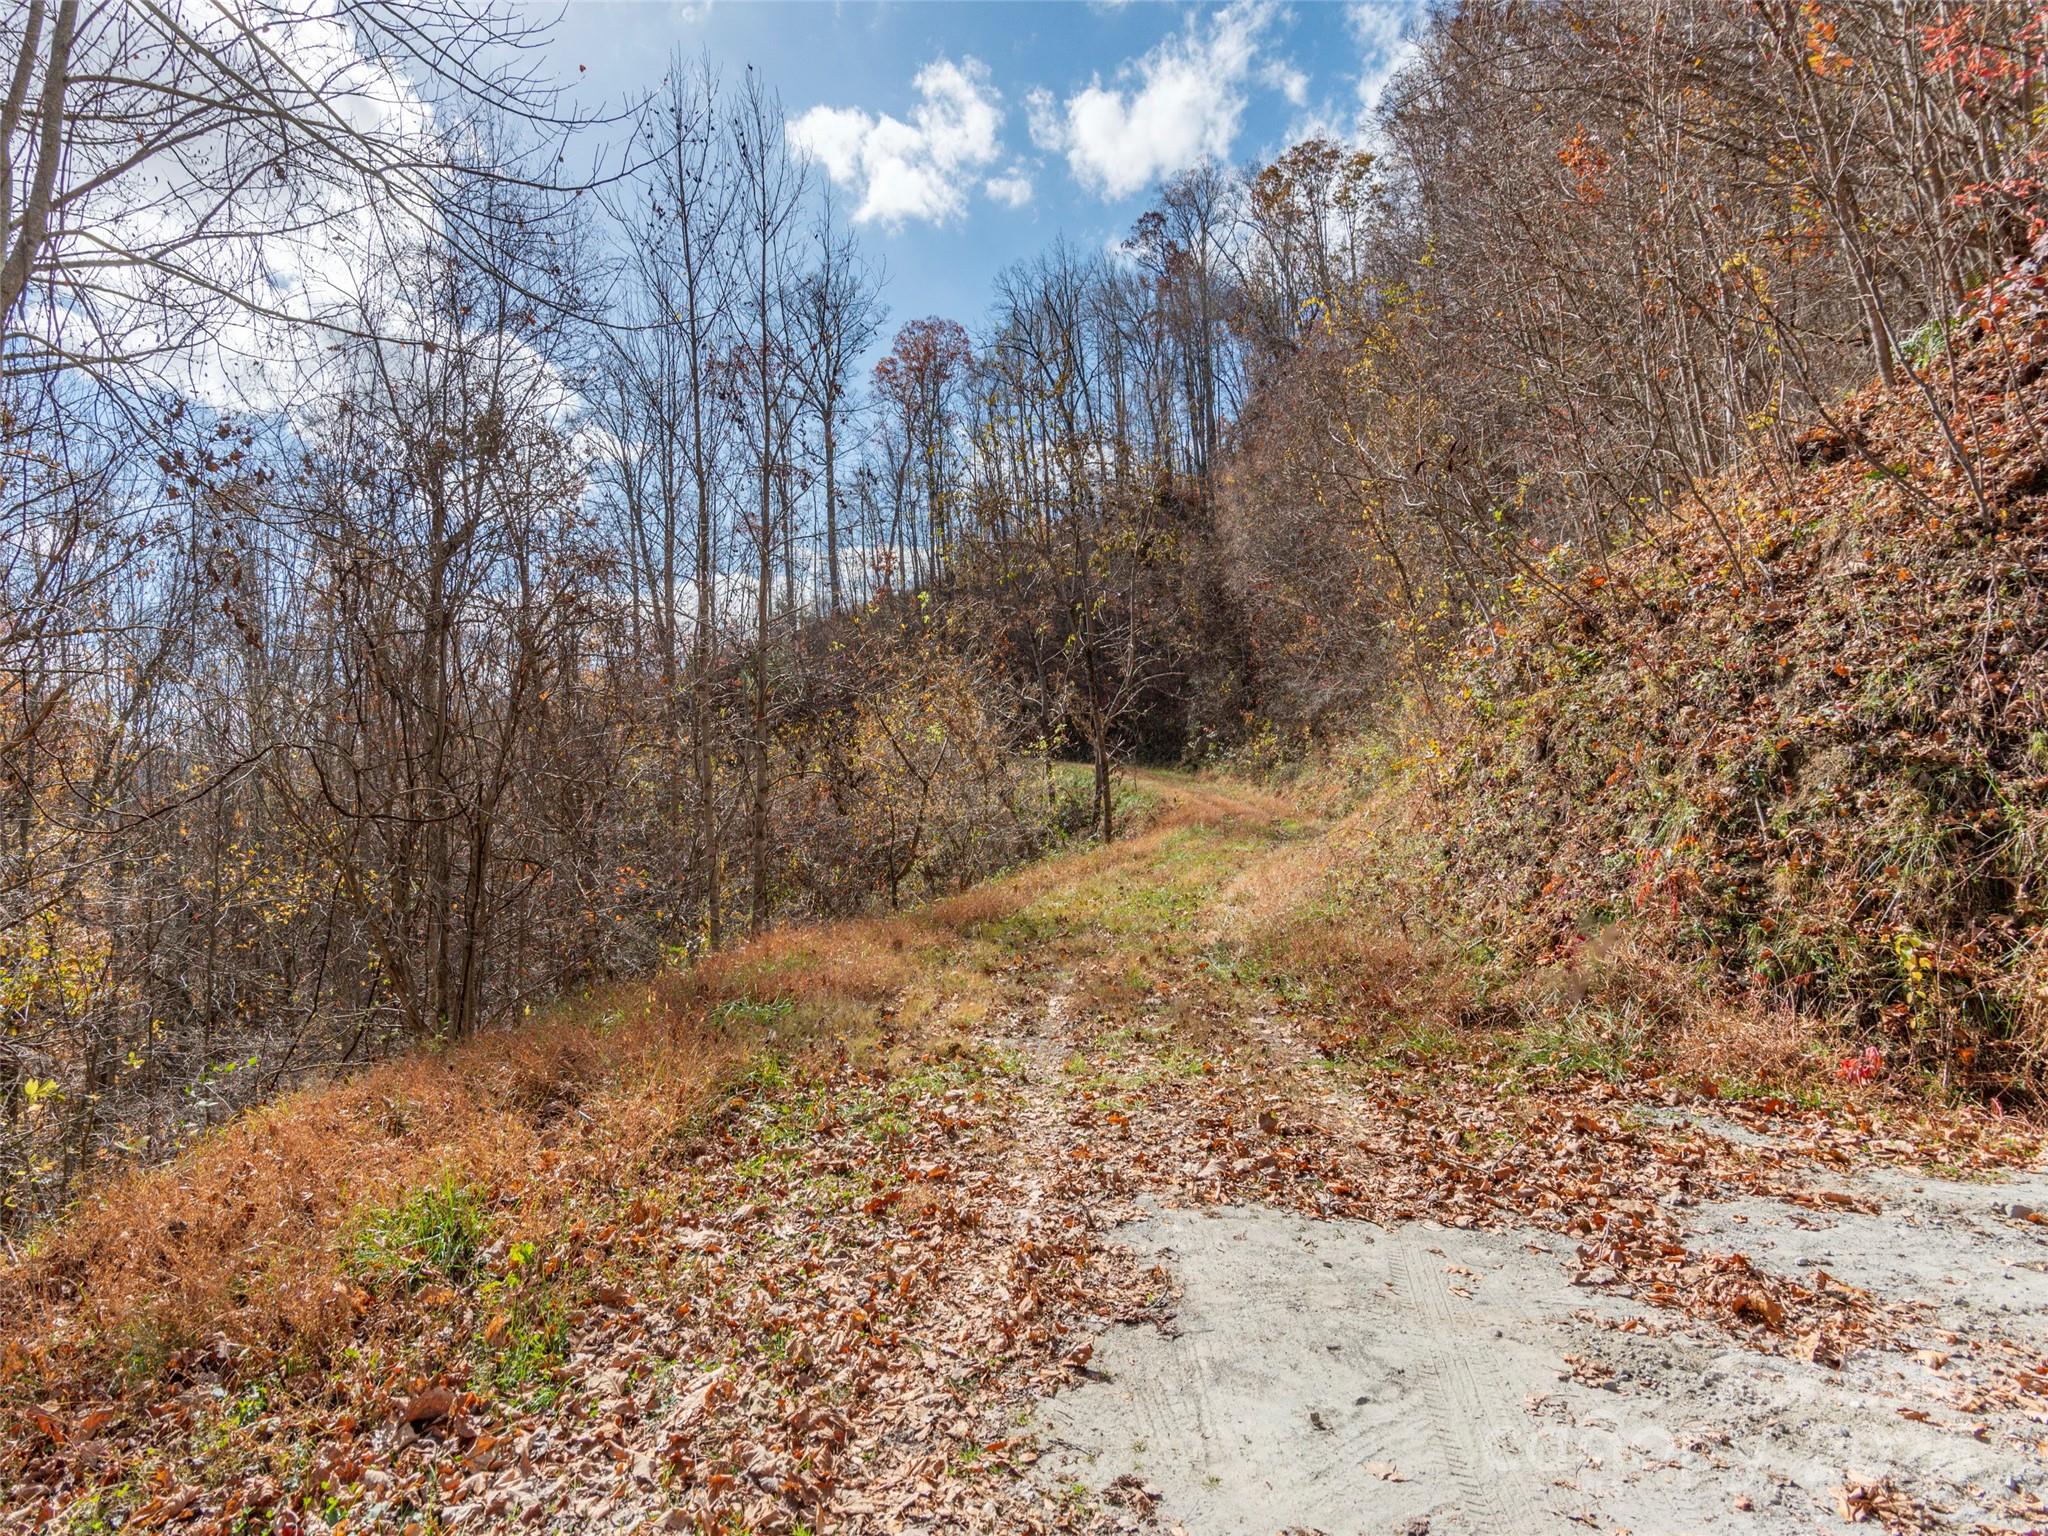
1341	1377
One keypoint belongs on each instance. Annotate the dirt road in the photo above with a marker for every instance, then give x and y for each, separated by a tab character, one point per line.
1103	1224
1164	1265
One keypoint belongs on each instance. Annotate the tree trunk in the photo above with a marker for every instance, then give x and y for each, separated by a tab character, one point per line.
831	506
35	213
1102	789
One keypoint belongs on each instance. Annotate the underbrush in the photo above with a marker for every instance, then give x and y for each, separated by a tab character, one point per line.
1370	950
1383	935
304	1237
309	1226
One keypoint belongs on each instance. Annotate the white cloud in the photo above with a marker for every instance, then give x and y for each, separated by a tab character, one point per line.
1387	32
1178	105
913	170
1012	188
1282	76
835	136
1048	129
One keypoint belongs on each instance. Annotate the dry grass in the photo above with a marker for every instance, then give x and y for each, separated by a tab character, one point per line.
1760	1045
241	1241
1319	921
1358	927
1623	983
239	1246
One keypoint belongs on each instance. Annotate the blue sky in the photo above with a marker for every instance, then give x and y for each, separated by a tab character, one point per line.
960	137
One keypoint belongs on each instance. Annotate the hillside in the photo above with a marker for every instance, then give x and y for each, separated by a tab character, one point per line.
1782	756
1202	770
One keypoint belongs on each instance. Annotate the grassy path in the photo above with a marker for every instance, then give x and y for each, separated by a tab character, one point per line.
805	1242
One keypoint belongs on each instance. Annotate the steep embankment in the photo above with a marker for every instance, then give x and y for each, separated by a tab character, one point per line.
1791	749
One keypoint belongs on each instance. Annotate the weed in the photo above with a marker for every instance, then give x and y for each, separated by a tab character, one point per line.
436	1233
745	1013
888	1126
1587	1041
525	1339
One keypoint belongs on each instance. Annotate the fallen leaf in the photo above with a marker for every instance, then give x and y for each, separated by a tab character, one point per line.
1762	1306
425	1407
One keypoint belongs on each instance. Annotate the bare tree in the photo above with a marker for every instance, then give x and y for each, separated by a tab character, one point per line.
183	171
771	184
673	368
834	318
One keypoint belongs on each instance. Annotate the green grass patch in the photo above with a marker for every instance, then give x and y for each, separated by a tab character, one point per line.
750	1013
1587	1042
437	1233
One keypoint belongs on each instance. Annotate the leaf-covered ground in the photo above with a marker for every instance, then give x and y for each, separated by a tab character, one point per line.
831	1295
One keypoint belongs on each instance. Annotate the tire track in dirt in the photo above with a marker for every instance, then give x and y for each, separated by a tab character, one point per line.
1496	1488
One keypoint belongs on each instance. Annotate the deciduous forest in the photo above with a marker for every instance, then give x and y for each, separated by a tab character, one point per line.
531	674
